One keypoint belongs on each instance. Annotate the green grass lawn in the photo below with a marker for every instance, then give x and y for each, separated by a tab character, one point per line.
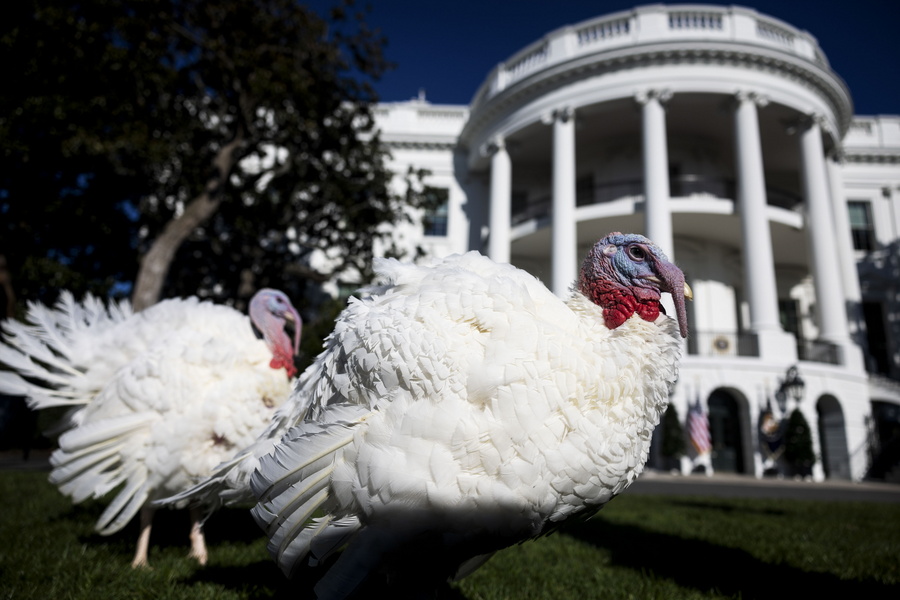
641	547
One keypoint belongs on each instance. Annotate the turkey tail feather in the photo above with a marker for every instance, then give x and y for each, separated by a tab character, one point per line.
90	434
88	464
126	504
44	349
82	468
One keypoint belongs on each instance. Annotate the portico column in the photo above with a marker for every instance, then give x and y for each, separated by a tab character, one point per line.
501	201
821	233
844	240
890	194
565	262
657	214
759	265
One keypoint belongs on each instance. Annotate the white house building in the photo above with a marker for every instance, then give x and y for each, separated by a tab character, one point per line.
724	136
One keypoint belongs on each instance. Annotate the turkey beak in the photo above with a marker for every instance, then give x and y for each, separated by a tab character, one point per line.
671	280
293	317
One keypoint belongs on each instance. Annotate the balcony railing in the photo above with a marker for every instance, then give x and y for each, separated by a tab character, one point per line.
539	208
683	186
818	351
646	25
722	344
725	344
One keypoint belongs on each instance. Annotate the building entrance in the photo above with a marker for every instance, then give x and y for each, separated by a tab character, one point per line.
725	432
833	439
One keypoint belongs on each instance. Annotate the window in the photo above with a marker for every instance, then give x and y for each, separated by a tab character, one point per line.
519	202
435	219
584	190
861	225
789	314
876	336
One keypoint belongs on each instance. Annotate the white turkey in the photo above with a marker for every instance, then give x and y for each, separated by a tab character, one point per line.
460	408
159	397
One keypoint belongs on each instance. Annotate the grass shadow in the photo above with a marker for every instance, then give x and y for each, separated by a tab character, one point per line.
255	581
726	508
232	525
263	580
711	568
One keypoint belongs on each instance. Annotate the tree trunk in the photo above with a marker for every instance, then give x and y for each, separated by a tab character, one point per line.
155	264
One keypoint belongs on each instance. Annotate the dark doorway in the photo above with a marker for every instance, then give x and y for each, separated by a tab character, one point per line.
725	431
833	439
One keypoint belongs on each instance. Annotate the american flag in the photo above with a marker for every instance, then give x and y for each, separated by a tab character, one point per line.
698	427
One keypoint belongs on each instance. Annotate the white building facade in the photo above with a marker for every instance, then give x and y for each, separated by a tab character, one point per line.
724	136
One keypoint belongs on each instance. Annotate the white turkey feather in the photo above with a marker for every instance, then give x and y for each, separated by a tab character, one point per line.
161	396
56	348
323	537
34	347
102	431
100	478
303	451
126	504
96	459
291	484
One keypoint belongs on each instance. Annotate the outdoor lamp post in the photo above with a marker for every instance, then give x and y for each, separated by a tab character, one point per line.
793	385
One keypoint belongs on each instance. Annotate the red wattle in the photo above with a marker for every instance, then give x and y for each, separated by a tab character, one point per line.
618	306
648	311
279	361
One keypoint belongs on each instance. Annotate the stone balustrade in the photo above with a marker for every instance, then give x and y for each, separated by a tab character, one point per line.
649	25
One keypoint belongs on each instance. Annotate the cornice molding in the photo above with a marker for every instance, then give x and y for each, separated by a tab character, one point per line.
564	115
825	83
760	100
661	95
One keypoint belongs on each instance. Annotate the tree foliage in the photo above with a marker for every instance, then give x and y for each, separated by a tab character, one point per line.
60	208
798	448
210	147
673	439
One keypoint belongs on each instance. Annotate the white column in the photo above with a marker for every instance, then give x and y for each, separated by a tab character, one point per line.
890	194
565	261
501	201
844	240
821	233
657	214
761	290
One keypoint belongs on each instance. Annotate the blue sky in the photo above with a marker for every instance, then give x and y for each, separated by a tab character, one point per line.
448	48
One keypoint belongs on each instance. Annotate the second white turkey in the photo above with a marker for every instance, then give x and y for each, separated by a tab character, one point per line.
159	398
